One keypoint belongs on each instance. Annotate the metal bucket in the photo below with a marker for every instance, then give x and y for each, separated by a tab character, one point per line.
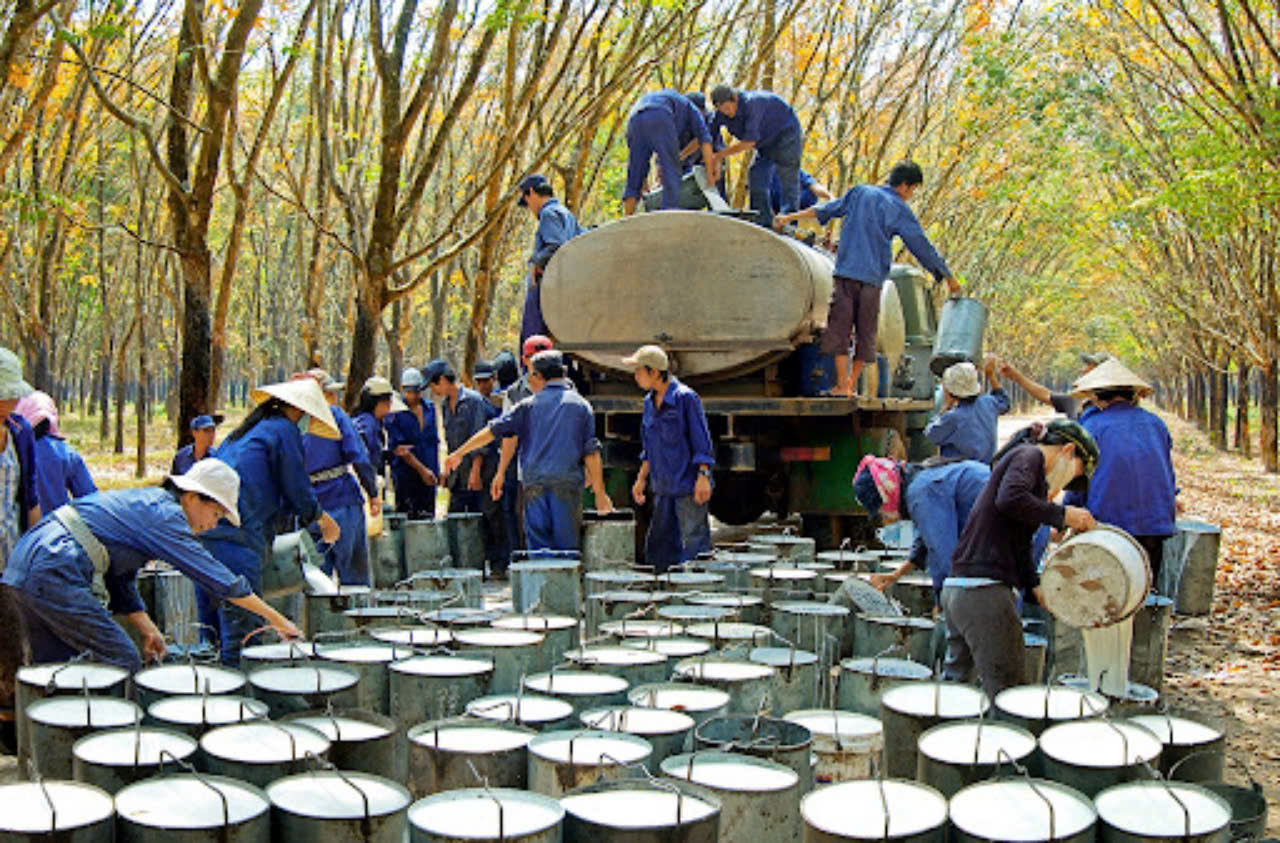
875	634
846	746
734	576
877	809
1190	564
425	636
429	688
468	583
1036	648
692	614
638	667
789	548
616	605
608	539
325	613
116	758
582	689
68	812
260	753
484	813
292	688
1093	755
789	744
1150	641
797	677
760	799
426	545
816	627
746	608
1194	750
1162	812
515	654
1136	699
458	618
1037	707
961	325
785	582
850	560
749	685
699	702
386	555
339	806
674	649
413	602
283	652
175	607
193	808
640	811
731	634
908	711
533	711
668	732
598	582
689	582
154	683
1095	579
1248	808
563	761
466	539
36	682
546	585
560	632
864	681
629	628
194	715
1022	809
443	753
952	756
915	593
358	740
58	722
372	662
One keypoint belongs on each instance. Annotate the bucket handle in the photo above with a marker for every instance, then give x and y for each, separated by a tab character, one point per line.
226	808
610	715
512	710
1002	754
653	780
884	799
253	634
44	791
1186	813
484	785
88	705
51	686
322	764
293	740
1124	741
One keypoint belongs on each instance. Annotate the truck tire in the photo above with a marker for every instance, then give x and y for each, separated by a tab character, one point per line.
739	497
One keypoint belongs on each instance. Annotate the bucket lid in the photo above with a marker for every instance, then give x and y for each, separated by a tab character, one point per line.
614	656
189	679
894	668
573	683
970	742
732	631
343	728
444	666
782	540
1022	814
590	747
723	670
857	809
643	629
899	622
530	709
678	696
739	601
730	771
133	747
414	636
331	795
935	699
838	724
472	737
68	676
672	648
620	577
784	572
697	612
637	720
1050	702
745	558
193	710
304	679
474	813
811	608
636	805
364	654
26	808
1148	809
1098	743
537	623
511	638
782	657
74	712
189	802
461	616
263	743
1178	731
282	651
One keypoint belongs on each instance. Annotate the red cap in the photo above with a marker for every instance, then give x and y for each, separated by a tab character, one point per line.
534	344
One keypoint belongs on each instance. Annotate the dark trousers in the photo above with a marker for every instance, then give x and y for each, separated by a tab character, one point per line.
413	497
679	530
552	517
531	321
234	623
984	633
652	132
1154	546
512	513
62	621
350	555
783	156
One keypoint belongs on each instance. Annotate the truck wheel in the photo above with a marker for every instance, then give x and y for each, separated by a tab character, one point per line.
739	498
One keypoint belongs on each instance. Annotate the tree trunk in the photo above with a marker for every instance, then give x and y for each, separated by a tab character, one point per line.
395	341
1243	443
1267	405
1217	411
364	341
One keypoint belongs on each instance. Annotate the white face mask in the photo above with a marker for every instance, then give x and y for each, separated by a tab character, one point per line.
304	421
1062	473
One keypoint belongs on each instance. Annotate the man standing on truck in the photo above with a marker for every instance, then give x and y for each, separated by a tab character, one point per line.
873	216
666	124
764	122
556	226
677	456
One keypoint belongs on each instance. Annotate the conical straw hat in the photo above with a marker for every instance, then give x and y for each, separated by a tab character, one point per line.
1111	374
306	395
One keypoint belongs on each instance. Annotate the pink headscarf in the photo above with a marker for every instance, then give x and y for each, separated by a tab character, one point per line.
36	407
884	472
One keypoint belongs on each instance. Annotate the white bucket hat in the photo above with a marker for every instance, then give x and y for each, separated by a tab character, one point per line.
12	386
1111	374
411	378
306	395
213	478
961	380
379	386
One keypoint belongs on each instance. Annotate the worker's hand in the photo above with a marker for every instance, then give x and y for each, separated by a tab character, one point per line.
637	491
286	629
713	170
474	481
989	364
1055	536
953	286
329	529
375	506
496	487
428	476
1178	506
882	581
1079	519
403	450
1006	369
153	646
604	504
702	490
536	274
780	221
451	463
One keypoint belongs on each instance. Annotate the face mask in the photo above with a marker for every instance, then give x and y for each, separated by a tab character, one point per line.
304	421
1062	473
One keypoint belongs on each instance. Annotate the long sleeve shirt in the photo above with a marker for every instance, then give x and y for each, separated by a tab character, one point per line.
556	226
939	500
687	119
324	454
873	216
762	118
403	429
675	440
462	421
557	431
374	438
26	494
968	430
59	471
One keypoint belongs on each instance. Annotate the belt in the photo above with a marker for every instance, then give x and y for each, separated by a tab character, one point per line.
94	549
328	473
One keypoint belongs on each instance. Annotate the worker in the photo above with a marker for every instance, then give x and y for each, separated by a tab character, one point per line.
765	123
266	451
556	226
676	458
558	449
1134	487
415	449
812	192
664	123
873	216
508	491
1061	402
60	472
507	370
497	540
339	469
204	430
966	429
992	560
464	415
81	563
376	401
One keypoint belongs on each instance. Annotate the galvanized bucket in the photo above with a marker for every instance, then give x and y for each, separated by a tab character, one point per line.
699	702
734	575
36	682
789	548
668	732
746	608
616	605
874	634
533	711
674	649
1151	641
436	687
749	685
283	652
630	628
414	602
464	583
1036	648
58	722
760	799
915	593
877	809
324	614
425	636
483	813
560	632
68	812
466	539
786	743
193	808
638	667
426	545
1190	565
175	607
339	806
1093	755
292	688
1163	812
113	759
563	761
194	715
1248	808
546	585
689	582
386	553
785	582
846	746
961	325
458	618
598	582
1195	748
582	689
813	626
448	754
731	634
358	740
850	560
515	654
260	753
1022	809
907	711
693	615
1037	707
154	683
640	811
863	681
954	755
797	678
608	539
372	662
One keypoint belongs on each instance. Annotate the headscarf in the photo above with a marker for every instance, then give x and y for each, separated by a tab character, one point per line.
885	481
38	406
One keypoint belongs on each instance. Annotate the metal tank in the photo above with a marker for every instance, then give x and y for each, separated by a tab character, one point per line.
749	685
1195	749
372	661
68	812
640	811
339	806
638	667
560	632
466	539
798	681
533	711
814	626
448	754
760	799
116	758
1162	812
699	702
515	653
193	808
486	813
582	689
435	687
426	545
876	809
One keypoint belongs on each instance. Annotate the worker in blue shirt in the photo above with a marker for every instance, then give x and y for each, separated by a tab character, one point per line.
558	450
266	451
415	447
463	413
966	429
666	124
204	430
376	401
506	483
873	216
59	469
676	459
81	563
556	226
497	538
764	122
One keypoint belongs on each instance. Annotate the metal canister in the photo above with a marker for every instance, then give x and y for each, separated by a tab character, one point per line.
1093	755
282	652
638	667
413	602
69	812
760	799
426	544
341	806
292	688
386	552
443	754
465	532
693	614
674	649
907	711
831	582
1194	750
850	560
630	628
641	811
789	548
428	688
1163	812
846	746
810	625
598	582
193	808
58	722
915	593
464	584
1037	707
961	325
260	753
37	682
668	732
1150	645
194	715
563	761
863	681
608	539
116	758
533	711
954	755
731	634
546	585
875	634
170	680
413	636
175	605
1022	809
484	813
797	677
582	689
685	582
358	740
876	809
782	741
699	702
323	614
560	632
749	685
746	608
734	575
515	653
372	662
616	605
1036	648
785	582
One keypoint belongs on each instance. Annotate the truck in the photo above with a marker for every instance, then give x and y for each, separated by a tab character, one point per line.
739	310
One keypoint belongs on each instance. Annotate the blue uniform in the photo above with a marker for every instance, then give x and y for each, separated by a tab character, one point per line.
466	418
556	226
661	123
184	458
768	121
27	494
59	470
373	436
873	216
54	576
340	497
968	430
557	431
675	441
938	501
413	496
807	197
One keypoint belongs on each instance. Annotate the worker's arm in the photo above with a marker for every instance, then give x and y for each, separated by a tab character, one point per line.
642	479
507	453
809	213
478	440
282	625
735	149
1038	391
153	646
595	476
820	190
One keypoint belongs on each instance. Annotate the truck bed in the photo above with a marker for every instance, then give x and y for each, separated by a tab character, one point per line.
761	406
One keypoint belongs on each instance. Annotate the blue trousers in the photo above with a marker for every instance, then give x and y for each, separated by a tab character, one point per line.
531	321
235	623
413	497
652	132
783	156
679	529
552	517
511	514
350	555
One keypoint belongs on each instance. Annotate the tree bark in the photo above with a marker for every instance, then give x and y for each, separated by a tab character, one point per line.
1243	443
1267	406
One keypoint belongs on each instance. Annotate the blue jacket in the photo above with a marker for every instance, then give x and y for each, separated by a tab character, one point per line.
135	526
1133	487
402	429
873	216
273	483
762	118
323	454
968	430
461	423
24	445
556	226
557	430
675	440
184	458
687	119
938	501
373	435
59	469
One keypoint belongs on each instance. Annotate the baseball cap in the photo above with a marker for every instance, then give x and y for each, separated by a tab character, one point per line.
549	364
649	355
203	422
482	369
437	369
535	343
529	183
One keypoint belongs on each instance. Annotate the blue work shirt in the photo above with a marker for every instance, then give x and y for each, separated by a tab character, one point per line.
462	421
185	458
762	118
968	430
556	226
324	454
675	440
24	445
403	429
135	526
807	197
59	470
373	436
557	430
688	120
1133	487
873	216
938	500
273	483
